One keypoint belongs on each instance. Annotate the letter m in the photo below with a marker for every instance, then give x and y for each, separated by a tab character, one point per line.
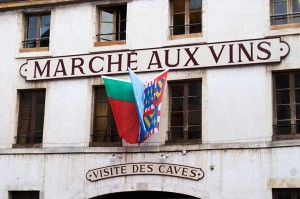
41	72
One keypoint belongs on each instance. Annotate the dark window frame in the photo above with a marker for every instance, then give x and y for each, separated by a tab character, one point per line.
187	17
31	138
286	16
185	138
280	193
118	35
111	130
292	133
24	194
37	42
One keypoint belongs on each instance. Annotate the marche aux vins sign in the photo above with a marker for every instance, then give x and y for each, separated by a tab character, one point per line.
190	56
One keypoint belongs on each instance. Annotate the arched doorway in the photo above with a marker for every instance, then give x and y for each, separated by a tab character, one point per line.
148	194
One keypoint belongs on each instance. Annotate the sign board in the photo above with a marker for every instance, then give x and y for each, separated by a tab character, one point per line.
193	56
145	169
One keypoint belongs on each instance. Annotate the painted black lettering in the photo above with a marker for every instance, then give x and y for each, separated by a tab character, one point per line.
130	60
242	48
177	170
142	168
184	172
91	65
96	173
161	168
105	172
150	168
193	173
123	170
216	57
169	170
156	57
230	53
118	62
41	72
191	56
135	168
74	65
62	65
167	58
262	49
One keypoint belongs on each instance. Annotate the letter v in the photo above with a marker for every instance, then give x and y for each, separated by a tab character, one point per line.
216	57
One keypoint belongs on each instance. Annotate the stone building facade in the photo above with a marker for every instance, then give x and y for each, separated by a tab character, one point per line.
228	125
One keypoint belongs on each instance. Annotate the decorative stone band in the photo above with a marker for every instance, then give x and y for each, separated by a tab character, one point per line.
164	169
190	56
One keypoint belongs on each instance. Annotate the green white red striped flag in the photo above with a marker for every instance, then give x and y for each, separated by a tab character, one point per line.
122	101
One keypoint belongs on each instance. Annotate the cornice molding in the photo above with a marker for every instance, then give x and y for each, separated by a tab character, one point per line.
7	5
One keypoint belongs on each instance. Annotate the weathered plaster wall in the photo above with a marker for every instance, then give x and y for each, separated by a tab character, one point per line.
238	173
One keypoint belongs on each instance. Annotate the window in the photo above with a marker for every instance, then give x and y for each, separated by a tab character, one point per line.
31	117
285	12
287	105
186	17
286	193
24	194
105	130
185	111
112	24
37	31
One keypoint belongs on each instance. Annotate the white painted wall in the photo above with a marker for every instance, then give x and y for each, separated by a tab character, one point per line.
71	26
236	105
228	20
237	109
7	76
238	173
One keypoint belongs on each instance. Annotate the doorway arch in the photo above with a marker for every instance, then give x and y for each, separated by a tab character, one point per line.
140	194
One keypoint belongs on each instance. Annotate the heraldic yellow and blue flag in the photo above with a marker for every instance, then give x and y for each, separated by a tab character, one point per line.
147	97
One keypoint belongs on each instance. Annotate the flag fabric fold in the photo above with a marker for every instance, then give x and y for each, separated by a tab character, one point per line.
136	105
138	90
